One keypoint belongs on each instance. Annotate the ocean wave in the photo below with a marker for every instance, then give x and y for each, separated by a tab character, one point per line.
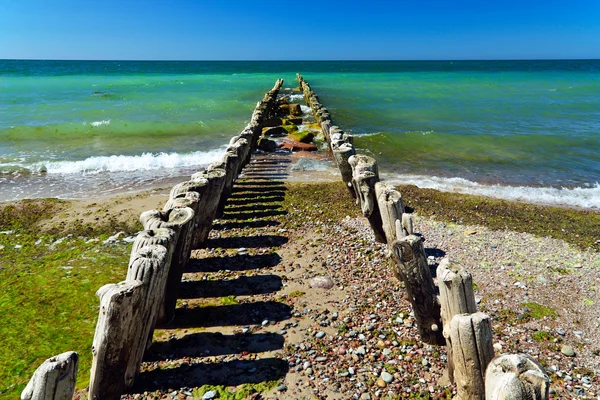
99	123
583	197
117	163
305	109
294	97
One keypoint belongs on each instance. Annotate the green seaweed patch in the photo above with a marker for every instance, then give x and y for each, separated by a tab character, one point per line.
229	300
305	201
578	227
239	393
541	336
290	128
538	311
302	136
23	215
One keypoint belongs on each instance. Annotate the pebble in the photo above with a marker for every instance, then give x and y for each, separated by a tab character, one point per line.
351	371
321	282
281	388
211	394
365	396
361	350
560	331
320	335
265	322
386	376
381	383
568	351
309	371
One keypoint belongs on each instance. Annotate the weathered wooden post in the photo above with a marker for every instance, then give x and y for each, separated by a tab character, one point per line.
391	209
180	220
412	269
208	204
456	297
117	338
161	236
341	154
54	379
516	377
364	177
231	161
472	334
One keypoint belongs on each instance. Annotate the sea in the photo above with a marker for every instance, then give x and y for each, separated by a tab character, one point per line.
519	130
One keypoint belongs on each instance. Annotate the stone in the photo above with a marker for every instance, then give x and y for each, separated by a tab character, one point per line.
567	351
294	145
267	145
381	383
277	131
320	335
386	376
321	282
211	394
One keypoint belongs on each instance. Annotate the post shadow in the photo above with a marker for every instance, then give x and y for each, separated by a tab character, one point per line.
229	315
242	262
202	344
241	286
230	373
247	241
245	224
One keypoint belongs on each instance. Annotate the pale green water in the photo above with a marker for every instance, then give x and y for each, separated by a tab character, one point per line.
442	124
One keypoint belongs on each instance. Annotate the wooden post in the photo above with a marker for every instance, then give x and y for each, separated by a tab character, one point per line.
231	161
364	176
54	379
208	203
161	236
412	268
391	209
516	377
117	337
148	265
180	220
186	199
471	336
341	154
456	297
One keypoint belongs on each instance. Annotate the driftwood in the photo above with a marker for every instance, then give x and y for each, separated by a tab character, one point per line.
364	177
341	154
117	338
471	336
456	297
208	204
391	209
54	379
180	220
412	269
516	377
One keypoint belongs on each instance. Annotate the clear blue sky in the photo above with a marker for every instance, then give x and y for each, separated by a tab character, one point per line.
299	30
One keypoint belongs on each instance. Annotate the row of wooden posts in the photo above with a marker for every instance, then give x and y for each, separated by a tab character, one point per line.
450	319
130	310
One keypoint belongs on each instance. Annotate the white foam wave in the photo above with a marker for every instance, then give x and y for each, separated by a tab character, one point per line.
588	197
294	97
99	123
305	109
119	163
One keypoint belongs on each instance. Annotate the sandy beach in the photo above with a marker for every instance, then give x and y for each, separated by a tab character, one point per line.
249	321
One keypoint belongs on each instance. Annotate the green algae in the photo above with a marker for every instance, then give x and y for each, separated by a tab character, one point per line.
580	228
239	393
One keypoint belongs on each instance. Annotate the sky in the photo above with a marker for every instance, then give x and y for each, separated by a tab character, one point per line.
299	30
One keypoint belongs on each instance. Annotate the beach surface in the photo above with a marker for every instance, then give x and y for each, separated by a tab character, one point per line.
249	321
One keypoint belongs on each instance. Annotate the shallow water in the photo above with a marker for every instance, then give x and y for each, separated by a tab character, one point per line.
517	129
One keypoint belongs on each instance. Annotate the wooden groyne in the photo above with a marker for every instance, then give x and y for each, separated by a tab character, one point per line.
446	314
450	319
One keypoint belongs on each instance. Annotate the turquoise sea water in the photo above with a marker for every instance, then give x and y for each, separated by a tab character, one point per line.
515	129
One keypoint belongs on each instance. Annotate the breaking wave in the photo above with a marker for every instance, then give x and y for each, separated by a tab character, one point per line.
584	197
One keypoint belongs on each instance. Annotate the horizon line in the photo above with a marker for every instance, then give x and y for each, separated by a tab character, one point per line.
309	60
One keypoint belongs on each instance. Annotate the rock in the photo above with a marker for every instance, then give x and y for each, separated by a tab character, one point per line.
277	131
560	331
351	371
281	388
497	347
361	350
211	394
309	371
365	396
272	122
320	335
381	383
268	145
568	351
386	376
297	146
265	322
292	121
322	282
